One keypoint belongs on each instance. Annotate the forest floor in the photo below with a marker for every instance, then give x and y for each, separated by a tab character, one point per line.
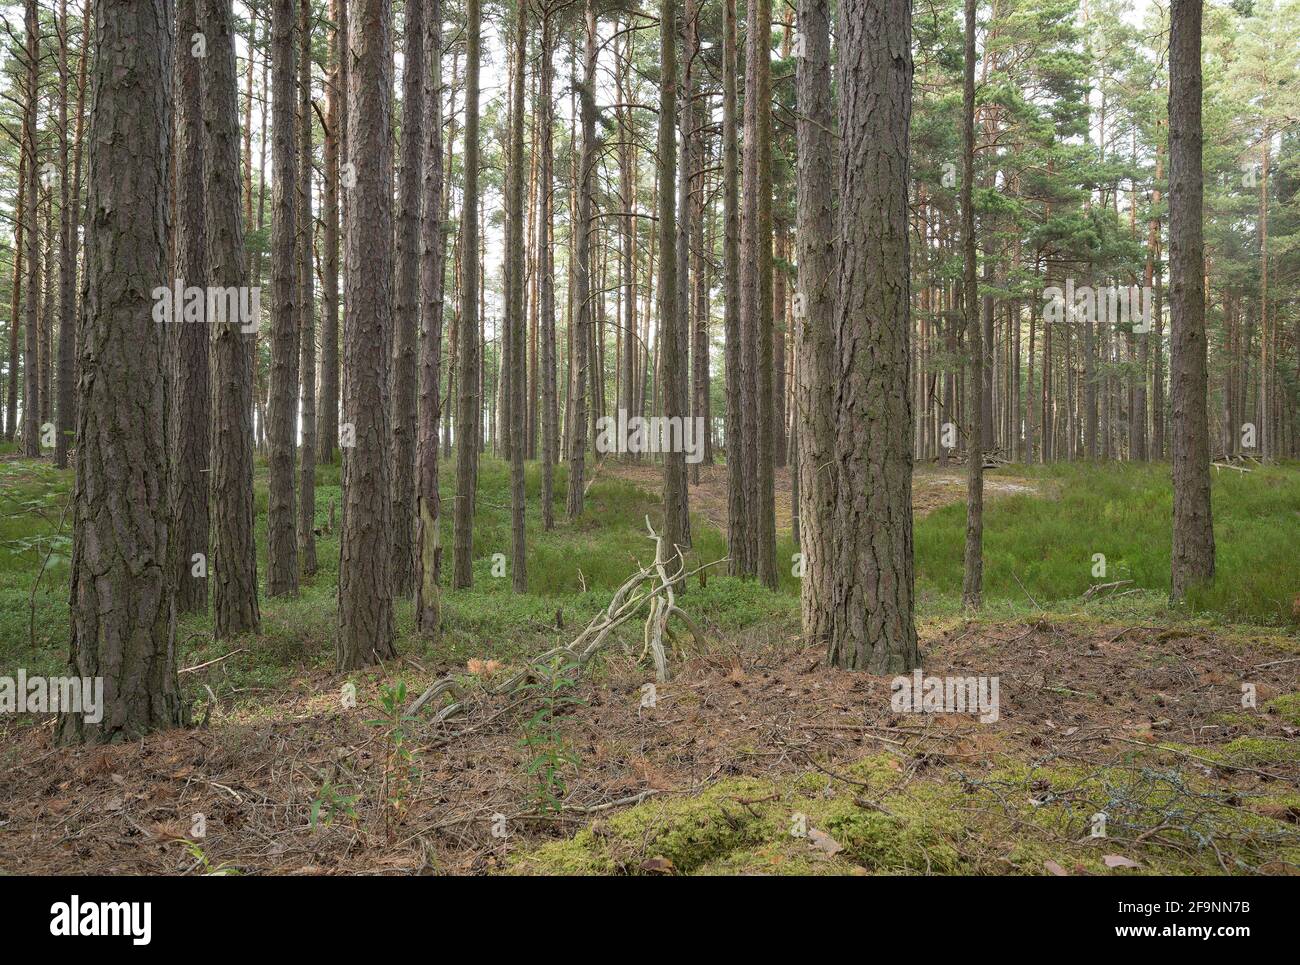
753	758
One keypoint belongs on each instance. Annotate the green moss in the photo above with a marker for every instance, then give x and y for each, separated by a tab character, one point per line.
583	854
690	831
1287	707
1248	751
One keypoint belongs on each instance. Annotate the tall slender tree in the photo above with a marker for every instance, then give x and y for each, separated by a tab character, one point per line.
432	258
978	393
546	266
517	323
407	306
188	440
365	554
672	326
1193	531
306	301
282	417
816	369
738	556
234	552
580	336
469	403
67	416
31	238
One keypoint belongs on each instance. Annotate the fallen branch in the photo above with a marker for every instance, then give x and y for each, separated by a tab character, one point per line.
649	586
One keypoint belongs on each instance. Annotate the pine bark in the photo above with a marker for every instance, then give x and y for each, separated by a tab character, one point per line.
432	259
737	545
816	369
407	308
1193	530
306	302
468	405
233	568
979	398
580	335
190	414
366	634
546	270
67	390
872	593
120	516
516	377
282	417
31	240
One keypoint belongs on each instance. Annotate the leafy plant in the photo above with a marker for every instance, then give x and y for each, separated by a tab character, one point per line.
551	754
400	775
330	802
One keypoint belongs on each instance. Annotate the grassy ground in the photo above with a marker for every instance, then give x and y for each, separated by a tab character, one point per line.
917	808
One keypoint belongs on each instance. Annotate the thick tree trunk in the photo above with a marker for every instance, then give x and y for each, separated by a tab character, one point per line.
1193	542
872	593
120	503
366	633
282	419
234	552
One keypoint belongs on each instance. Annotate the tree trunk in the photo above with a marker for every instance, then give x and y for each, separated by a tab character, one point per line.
738	560
432	258
407	309
67	416
467	412
582	295
516	376
979	397
1193	542
307	299
282	419
872	593
816	371
677	524
120	503
234	552
188	433
546	271
327	415
366	633
31	333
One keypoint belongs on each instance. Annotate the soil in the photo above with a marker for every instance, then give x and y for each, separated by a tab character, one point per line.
755	705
